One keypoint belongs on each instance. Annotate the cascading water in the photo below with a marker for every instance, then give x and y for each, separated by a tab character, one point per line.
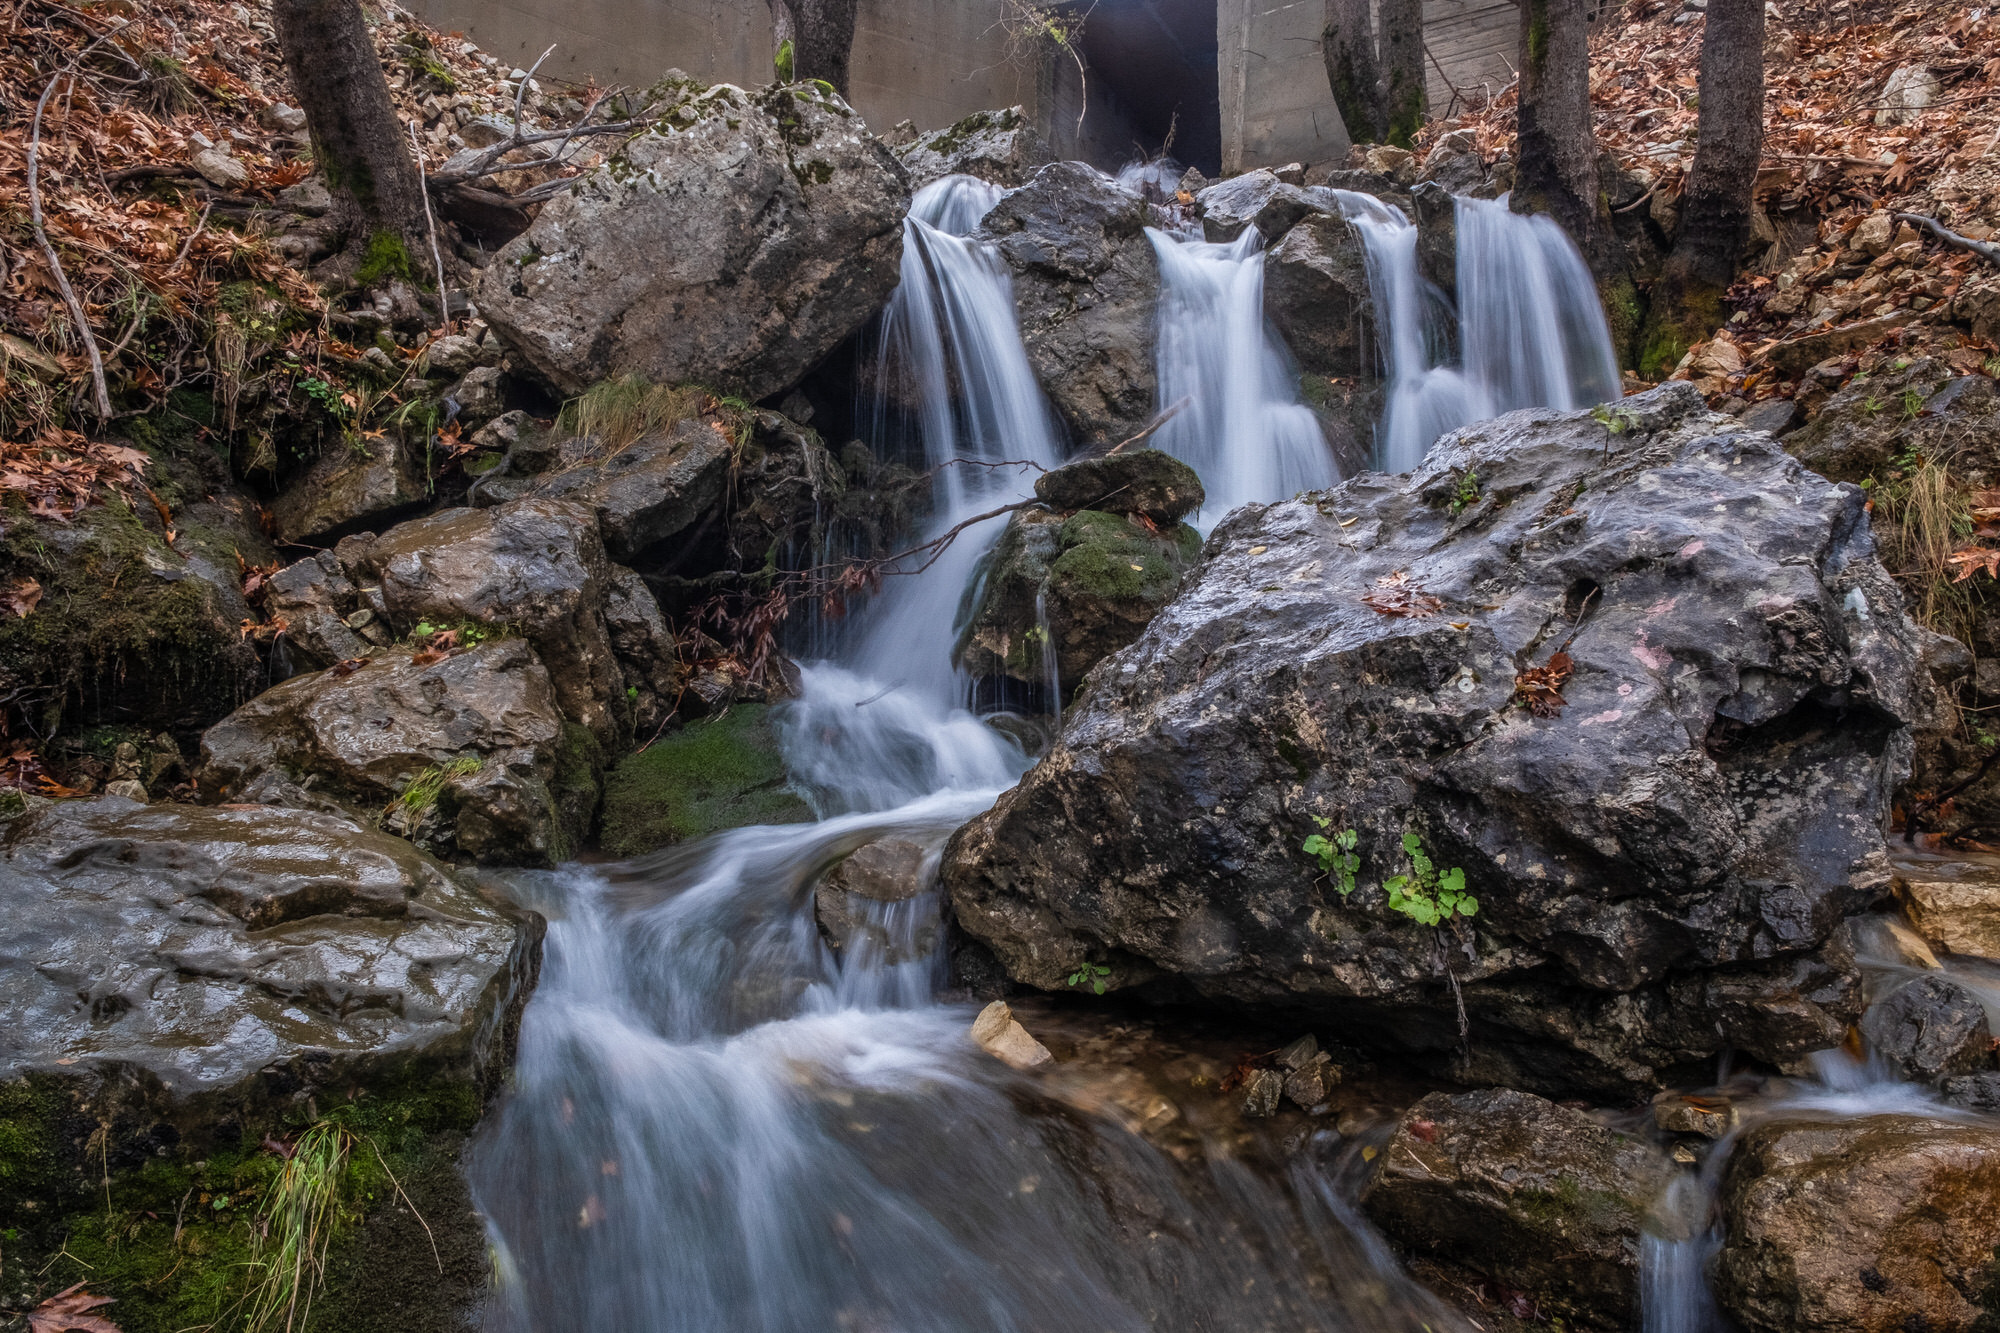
1243	429
717	1123
1529	330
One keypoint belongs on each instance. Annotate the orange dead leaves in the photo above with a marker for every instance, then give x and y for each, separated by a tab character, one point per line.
1540	688
60	471
1395	595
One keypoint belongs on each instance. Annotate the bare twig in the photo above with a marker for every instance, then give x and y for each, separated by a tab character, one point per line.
407	1200
77	313
1983	249
1167	414
430	225
489	163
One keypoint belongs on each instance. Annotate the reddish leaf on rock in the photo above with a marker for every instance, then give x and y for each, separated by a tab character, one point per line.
429	656
69	1312
1974	558
20	596
1540	688
1394	595
347	668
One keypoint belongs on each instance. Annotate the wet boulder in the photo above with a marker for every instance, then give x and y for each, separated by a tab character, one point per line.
470	755
315	598
1068	592
367	485
1087	289
736	244
1316	295
1535	1195
1255	199
1137	481
717	773
852	902
535	568
1953	900
1930	1029
1859	432
1877	1224
645	492
644	646
230	957
1661	830
997	146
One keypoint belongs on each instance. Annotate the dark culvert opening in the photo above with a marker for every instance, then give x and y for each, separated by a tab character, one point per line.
1158	59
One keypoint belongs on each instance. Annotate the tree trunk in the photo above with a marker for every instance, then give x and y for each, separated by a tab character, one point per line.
1716	207
358	142
1555	154
1347	44
1403	69
822	36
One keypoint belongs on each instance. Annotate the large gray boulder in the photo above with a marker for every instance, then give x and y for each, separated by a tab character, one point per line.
1256	199
997	146
735	243
1316	295
1659	859
1535	1195
1876	1224
646	492
470	755
352	487
224	958
1087	289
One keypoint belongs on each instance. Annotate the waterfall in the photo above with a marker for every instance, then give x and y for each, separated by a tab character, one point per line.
1529	330
952	334
1243	430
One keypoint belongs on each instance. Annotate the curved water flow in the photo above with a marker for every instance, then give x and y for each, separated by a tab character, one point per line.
1243	428
1528	331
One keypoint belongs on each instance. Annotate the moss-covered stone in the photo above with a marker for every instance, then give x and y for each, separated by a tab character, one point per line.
718	773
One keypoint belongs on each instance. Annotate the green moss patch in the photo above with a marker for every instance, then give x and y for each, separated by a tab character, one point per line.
719	773
1110	556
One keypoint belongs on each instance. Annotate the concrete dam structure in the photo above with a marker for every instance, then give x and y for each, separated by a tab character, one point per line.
1227	85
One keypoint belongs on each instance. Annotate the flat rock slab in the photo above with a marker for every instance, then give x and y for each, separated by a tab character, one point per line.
243	953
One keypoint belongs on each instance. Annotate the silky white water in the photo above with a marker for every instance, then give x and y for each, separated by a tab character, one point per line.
717	1123
1242	426
1528	330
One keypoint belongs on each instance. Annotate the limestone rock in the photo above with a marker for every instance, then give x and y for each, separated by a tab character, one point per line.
1930	1028
1953	902
1087	288
1667	856
644	646
655	488
997	146
997	1033
349	488
220	169
536	568
482	726
229	956
481	395
1536	1195
1316	295
889	870
1137	481
735	246
1254	199
1908	94
1872	1225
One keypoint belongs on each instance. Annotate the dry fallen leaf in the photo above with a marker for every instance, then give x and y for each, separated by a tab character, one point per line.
1394	595
20	596
1973	558
69	1312
1540	688
347	668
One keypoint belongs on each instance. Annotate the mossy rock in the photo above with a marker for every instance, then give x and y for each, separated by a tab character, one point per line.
719	773
1143	481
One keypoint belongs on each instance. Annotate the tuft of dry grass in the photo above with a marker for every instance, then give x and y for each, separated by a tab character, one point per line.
619	411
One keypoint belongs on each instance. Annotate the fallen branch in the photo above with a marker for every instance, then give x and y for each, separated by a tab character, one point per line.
1983	249
1167	414
489	162
430	224
76	311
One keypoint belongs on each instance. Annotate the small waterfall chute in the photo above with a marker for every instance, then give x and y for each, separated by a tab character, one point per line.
1243	430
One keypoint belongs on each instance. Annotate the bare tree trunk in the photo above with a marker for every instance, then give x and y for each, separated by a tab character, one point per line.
1403	69
1716	209
1347	44
1555	154
822	36
357	140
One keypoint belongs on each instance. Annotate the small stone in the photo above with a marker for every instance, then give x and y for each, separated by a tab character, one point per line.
220	169
1292	173
279	116
309	196
997	1033
1710	1117
1300	1053
1261	1092
451	355
1307	1088
480	395
359	618
1908	94
1874	234
1930	1028
503	431
129	788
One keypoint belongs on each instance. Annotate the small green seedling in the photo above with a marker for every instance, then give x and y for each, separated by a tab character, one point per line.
1336	854
1092	974
1468	493
1427	896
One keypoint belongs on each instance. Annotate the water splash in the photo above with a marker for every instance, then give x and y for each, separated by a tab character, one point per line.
1529	330
1243	430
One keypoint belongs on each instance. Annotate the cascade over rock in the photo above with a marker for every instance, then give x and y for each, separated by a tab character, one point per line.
1087	290
1659	868
735	245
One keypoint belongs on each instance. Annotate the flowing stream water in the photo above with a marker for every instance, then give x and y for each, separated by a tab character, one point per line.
717	1123
1528	330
